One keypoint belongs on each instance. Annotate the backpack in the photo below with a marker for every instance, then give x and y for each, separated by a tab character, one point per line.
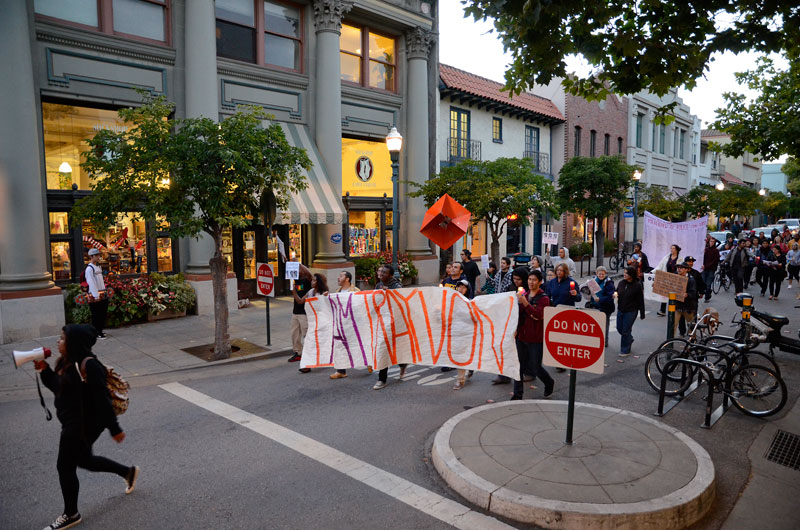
83	282
117	387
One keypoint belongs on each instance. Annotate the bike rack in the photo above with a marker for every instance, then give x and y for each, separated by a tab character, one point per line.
710	417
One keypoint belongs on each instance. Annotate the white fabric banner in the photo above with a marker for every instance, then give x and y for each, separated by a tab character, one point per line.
649	279
660	235
424	325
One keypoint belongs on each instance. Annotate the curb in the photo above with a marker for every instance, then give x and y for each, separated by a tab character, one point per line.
676	510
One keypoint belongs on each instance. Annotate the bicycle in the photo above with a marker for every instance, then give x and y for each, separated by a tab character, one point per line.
620	258
722	279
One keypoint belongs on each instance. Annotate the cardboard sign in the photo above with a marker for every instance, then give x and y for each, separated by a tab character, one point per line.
292	270
574	338
550	238
485	262
265	280
424	325
667	282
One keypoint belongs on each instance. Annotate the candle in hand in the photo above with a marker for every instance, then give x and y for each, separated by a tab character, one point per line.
521	290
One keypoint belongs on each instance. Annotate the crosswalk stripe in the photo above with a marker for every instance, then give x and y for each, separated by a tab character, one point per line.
426	501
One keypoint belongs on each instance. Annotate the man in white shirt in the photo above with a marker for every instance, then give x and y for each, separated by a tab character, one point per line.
97	289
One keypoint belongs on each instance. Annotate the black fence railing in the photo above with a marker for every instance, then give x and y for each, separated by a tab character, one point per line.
459	149
540	160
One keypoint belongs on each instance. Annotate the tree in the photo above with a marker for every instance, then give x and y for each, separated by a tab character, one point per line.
775	204
766	125
193	176
493	190
596	188
696	201
632	46
661	202
792	171
737	200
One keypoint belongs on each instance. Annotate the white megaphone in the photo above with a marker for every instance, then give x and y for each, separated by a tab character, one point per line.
37	354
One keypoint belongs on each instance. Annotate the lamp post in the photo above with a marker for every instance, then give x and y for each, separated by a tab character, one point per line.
394	141
720	186
637	176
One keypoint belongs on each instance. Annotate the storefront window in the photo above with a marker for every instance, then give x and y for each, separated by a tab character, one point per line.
295	249
388	239
60	253
363	50
366	168
164	248
123	247
59	223
578	229
250	269
227	247
365	232
475	239
66	129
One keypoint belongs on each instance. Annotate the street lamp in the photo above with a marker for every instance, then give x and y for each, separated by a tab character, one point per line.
720	186
394	142
637	176
762	192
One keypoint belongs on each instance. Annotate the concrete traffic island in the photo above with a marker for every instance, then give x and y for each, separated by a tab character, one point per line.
624	470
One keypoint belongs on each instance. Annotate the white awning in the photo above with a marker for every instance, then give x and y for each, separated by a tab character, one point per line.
318	203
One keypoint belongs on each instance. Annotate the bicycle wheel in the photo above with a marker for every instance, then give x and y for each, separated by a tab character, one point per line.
726	282
678	378
758	358
613	262
757	390
717	282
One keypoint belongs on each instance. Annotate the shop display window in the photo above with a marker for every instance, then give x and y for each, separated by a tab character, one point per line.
366	58
60	253
59	223
295	249
227	247
123	247
250	262
475	238
365	232
66	129
164	254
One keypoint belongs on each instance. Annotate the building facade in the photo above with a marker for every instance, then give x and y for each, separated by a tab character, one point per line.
337	75
773	179
744	170
477	120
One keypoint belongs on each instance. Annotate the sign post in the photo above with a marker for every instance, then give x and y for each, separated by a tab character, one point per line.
265	282
574	339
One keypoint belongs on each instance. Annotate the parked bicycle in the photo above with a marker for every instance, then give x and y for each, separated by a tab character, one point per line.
619	259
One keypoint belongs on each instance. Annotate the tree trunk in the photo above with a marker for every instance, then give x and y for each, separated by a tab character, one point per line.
219	273
495	249
599	243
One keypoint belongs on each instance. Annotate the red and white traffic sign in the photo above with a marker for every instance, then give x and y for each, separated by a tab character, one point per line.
265	280
573	338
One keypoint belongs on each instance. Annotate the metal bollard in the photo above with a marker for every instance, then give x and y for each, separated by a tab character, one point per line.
671	317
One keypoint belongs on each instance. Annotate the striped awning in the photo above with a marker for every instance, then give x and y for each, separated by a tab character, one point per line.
319	203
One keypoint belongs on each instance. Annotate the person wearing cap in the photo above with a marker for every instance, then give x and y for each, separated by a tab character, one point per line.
700	287
97	289
687	308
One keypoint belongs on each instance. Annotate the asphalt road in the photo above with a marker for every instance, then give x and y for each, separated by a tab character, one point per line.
202	470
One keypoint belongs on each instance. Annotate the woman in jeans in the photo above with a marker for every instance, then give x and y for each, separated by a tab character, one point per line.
777	273
630	300
530	335
669	263
793	263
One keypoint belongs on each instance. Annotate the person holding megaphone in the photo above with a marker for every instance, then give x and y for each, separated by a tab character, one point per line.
83	407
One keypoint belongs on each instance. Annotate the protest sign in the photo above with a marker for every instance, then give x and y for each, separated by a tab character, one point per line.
485	262
667	282
550	238
292	270
426	325
648	279
660	235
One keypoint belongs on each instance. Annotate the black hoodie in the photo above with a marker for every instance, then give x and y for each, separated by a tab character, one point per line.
81	407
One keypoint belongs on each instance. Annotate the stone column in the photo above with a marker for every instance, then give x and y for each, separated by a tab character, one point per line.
201	98
416	143
328	116
30	305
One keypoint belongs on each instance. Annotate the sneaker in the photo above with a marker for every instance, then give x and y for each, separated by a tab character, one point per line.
515	398
304	370
625	354
447	368
338	375
379	385
548	391
459	385
295	357
64	521
130	480
100	336
707	300
790	286
661	314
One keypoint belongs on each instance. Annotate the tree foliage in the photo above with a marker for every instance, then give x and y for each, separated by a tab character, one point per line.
661	202
193	176
632	46
696	202
767	125
792	171
775	204
596	188
493	190
737	200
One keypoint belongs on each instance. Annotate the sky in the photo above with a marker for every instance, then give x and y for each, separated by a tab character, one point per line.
470	46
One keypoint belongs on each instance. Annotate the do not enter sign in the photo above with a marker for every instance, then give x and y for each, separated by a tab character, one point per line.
265	280
574	338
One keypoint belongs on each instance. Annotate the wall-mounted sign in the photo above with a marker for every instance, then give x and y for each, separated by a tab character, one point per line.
364	168
336	238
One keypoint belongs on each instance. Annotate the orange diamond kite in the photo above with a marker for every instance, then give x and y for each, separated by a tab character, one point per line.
445	222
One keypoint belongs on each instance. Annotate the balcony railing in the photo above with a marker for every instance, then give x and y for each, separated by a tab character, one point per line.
459	149
541	161
718	169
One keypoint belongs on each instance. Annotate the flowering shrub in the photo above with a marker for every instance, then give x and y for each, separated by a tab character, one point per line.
367	265
134	298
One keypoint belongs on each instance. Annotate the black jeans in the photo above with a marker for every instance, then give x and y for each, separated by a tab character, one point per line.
762	278
708	279
99	311
75	451
775	281
530	361
383	375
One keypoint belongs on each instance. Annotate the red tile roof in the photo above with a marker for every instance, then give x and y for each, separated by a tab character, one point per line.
462	81
732	179
711	132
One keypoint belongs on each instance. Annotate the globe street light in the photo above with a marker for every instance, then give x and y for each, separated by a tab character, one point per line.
720	186
637	176
394	142
762	192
